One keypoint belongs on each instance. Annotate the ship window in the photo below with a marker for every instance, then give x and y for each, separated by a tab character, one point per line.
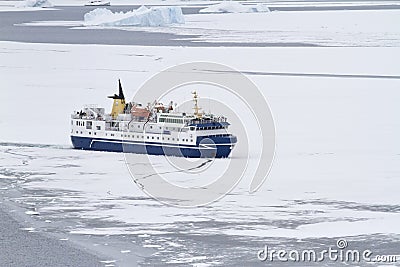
162	120
94	133
192	128
76	131
177	139
151	127
158	138
168	138
163	138
191	140
98	128
160	127
81	132
90	132
152	137
138	126
83	123
173	139
76	123
147	137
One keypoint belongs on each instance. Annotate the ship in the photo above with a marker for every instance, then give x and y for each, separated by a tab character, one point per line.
154	129
98	3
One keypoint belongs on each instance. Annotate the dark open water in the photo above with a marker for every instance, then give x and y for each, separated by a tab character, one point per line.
9	31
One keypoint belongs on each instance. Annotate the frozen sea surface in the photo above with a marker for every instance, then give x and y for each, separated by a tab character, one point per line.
335	174
83	194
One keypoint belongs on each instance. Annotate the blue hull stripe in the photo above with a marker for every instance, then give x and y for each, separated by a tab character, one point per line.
221	149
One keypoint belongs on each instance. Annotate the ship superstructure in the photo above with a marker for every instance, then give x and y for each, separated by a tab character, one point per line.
154	129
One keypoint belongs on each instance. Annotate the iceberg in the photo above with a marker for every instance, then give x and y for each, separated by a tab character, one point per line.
234	7
35	3
143	16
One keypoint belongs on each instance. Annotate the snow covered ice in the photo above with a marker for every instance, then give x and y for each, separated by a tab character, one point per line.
234	7
143	16
334	175
34	3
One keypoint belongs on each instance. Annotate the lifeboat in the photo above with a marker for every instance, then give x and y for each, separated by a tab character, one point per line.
137	111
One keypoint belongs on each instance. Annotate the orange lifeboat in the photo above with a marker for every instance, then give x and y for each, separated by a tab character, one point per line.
140	112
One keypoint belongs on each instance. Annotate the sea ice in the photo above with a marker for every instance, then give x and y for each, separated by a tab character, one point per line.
234	7
143	16
35	3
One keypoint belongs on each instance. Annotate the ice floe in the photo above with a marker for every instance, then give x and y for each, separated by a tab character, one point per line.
143	16
234	7
34	3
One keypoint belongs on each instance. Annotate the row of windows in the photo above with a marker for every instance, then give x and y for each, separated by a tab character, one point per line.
88	126
171	120
94	133
167	128
142	137
211	128
156	137
170	116
80	123
219	135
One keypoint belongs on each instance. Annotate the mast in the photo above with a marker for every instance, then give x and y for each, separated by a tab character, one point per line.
196	105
